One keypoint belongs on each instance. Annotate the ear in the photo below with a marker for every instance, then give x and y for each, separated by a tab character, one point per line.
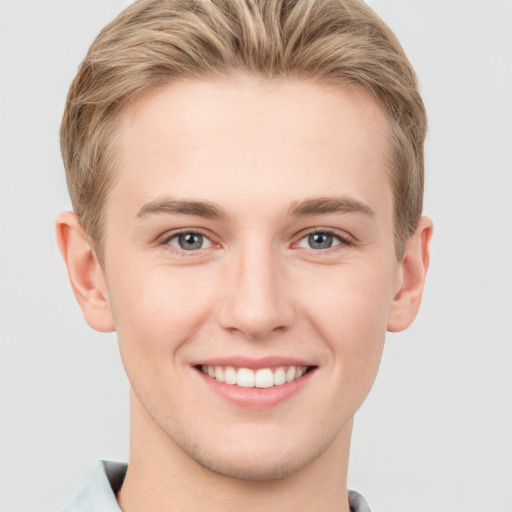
85	273
413	269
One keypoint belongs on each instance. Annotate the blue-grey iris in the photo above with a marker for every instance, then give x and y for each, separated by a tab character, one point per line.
190	241
320	240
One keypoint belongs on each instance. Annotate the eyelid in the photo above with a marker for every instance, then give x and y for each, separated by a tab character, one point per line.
164	239
204	239
343	237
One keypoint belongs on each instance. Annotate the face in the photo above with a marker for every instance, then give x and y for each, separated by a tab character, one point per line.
250	267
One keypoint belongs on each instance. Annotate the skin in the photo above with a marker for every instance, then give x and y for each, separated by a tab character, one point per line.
259	150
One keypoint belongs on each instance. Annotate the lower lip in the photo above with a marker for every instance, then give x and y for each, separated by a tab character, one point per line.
257	397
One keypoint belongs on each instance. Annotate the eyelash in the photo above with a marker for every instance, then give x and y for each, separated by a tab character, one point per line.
343	241
165	242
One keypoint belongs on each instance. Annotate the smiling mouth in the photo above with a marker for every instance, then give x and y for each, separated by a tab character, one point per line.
259	378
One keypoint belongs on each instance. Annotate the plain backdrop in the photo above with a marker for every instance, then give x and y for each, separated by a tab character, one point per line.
435	434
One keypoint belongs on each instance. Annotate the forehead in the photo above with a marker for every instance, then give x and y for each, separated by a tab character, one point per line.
282	139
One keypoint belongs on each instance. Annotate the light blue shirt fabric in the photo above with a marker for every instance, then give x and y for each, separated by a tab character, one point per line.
107	478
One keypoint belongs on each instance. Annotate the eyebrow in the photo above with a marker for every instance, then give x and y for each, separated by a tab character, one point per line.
305	208
199	208
326	205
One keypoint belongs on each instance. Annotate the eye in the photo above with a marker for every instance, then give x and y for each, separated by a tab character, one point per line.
320	240
189	241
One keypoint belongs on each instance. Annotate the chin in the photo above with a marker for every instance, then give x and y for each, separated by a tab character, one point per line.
257	461
252	469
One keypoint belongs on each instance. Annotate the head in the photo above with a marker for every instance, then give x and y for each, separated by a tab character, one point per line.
247	179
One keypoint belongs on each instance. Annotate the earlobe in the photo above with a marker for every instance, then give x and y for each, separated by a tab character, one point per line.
413	268
85	274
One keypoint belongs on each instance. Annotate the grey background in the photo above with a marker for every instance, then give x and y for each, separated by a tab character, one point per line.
435	433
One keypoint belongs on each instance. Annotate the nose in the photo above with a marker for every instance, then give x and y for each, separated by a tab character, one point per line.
257	302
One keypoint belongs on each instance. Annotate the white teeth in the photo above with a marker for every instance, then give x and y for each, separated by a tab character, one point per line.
290	373
279	377
219	374
261	378
264	378
245	378
229	375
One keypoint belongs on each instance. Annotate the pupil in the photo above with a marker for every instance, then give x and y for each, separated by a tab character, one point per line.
190	241
320	240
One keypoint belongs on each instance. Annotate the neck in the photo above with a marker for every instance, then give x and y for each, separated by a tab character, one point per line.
161	474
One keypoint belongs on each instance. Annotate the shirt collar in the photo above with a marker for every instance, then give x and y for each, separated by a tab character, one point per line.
100	494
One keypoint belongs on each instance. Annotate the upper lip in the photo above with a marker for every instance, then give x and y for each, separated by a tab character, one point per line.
253	363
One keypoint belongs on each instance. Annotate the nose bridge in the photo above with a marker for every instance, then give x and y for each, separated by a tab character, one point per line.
255	302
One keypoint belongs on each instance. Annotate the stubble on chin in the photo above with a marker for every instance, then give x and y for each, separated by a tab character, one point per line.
237	465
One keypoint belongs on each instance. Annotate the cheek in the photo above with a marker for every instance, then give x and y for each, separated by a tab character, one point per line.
352	314
353	301
155	312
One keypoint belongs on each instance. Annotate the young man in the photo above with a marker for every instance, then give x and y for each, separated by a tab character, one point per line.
247	179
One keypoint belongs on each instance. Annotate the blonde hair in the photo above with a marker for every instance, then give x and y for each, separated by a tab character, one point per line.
155	42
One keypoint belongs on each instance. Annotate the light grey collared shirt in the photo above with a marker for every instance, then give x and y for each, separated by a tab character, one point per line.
107	478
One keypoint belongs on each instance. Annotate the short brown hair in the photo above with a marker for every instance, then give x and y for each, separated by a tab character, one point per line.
155	42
